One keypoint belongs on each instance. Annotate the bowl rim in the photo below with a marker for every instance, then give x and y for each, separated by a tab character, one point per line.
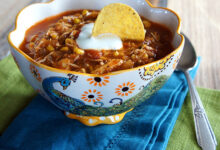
95	75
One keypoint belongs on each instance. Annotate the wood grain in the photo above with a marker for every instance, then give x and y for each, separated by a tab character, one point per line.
9	8
200	22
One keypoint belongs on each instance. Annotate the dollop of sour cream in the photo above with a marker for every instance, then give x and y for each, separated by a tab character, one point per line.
105	41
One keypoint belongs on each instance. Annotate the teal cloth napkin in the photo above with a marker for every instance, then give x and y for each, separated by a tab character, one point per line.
41	126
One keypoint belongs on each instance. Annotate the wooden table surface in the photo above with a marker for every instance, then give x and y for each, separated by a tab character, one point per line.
200	22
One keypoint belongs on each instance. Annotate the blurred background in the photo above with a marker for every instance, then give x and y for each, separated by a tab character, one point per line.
200	22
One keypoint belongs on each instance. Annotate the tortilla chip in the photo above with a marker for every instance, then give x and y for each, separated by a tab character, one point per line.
119	19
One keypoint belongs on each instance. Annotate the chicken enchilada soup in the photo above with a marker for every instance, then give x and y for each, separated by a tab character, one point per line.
65	41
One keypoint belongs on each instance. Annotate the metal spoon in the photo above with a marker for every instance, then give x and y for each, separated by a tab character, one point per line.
204	133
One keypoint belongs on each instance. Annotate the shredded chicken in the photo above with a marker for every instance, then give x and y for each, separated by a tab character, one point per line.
108	67
57	47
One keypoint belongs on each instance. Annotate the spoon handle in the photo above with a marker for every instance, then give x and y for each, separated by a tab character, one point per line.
204	133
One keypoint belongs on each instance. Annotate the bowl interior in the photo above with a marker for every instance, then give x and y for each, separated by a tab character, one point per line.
36	12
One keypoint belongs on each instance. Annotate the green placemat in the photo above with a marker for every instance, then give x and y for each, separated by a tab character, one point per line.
183	136
16	93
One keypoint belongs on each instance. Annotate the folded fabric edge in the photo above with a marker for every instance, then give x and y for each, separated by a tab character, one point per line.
165	115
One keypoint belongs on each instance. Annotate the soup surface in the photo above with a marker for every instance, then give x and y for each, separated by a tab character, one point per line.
53	42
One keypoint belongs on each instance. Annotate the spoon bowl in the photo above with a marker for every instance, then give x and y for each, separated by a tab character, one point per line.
188	60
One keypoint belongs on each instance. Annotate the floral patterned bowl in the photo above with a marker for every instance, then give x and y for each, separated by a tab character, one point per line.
89	98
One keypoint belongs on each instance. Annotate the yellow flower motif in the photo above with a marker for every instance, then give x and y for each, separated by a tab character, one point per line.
155	67
35	72
174	64
176	61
